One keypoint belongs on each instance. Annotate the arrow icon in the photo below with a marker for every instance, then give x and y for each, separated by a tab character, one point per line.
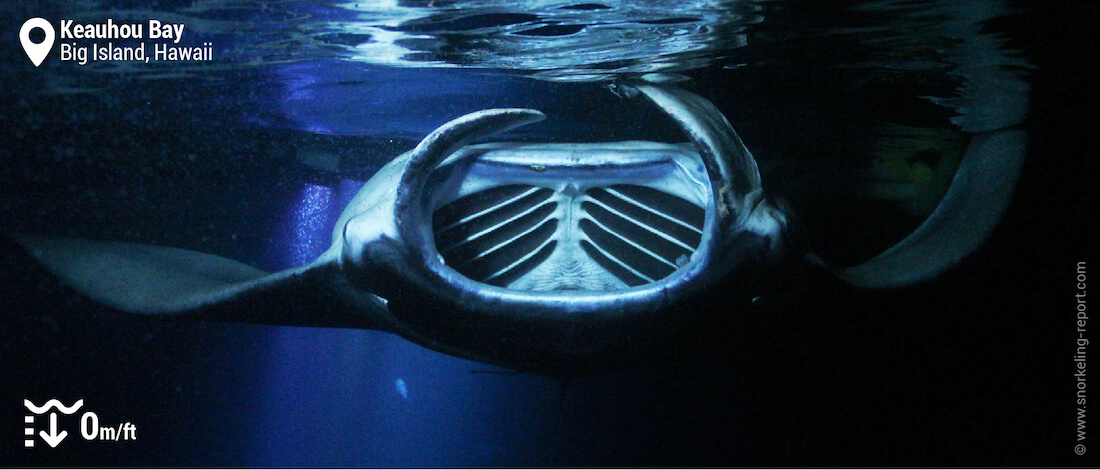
53	438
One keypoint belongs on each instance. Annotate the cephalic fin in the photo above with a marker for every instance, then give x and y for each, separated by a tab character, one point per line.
439	145
733	172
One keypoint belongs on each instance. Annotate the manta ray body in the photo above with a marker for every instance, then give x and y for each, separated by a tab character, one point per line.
552	258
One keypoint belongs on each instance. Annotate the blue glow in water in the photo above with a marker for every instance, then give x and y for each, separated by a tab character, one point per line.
341	98
342	398
353	387
310	221
402	388
306	230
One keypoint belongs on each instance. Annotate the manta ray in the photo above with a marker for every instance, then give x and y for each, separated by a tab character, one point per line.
546	257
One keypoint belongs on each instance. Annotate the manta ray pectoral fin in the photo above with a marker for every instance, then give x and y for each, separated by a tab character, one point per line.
173	282
974	203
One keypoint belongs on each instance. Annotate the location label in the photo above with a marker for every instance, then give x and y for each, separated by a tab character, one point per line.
36	51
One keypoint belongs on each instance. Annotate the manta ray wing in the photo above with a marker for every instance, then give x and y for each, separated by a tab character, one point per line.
974	203
174	282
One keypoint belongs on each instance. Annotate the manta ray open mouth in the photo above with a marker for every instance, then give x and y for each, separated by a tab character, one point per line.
561	256
521	217
549	253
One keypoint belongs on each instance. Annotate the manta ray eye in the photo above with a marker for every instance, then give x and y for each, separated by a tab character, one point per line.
569	233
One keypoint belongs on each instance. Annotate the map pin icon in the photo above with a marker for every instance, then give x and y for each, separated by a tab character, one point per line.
36	52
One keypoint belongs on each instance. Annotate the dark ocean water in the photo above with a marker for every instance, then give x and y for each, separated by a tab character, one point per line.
252	155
